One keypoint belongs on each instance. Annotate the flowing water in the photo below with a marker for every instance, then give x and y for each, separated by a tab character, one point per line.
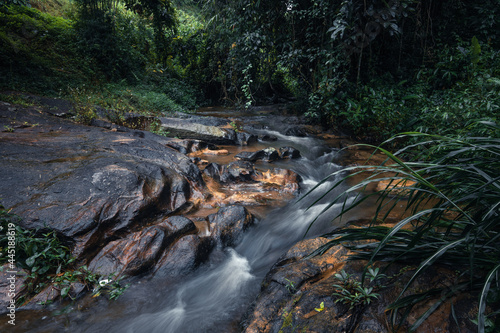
215	296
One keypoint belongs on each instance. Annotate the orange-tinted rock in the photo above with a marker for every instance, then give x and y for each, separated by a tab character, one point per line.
395	187
287	180
90	184
140	251
296	286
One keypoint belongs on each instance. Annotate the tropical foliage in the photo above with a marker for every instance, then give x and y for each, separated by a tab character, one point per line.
453	205
47	261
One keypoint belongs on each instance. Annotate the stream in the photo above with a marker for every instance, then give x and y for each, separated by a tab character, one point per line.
215	297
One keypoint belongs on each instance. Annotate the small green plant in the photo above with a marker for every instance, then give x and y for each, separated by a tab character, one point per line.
110	286
7	128
290	286
235	126
48	261
352	292
161	131
82	103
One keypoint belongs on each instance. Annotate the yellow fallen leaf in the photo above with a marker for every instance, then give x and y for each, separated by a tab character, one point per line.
321	307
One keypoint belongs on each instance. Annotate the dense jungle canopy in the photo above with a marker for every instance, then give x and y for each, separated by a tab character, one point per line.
372	68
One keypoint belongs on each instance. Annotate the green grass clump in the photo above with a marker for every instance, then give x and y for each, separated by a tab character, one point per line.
453	187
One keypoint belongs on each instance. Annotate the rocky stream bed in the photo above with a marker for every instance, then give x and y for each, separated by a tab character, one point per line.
206	224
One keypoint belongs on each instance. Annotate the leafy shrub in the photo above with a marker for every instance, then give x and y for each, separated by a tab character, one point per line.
41	253
48	260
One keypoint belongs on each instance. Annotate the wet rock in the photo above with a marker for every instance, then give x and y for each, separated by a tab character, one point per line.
189	146
296	285
287	180
48	295
108	125
201	163
12	284
184	256
268	138
197	128
296	131
210	129
215	152
281	288
249	156
289	152
214	171
130	256
268	155
89	184
140	251
238	171
245	139
229	223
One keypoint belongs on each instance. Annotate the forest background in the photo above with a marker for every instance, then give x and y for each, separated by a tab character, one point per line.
369	68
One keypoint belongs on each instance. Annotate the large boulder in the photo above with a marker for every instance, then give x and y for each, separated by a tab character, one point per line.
89	184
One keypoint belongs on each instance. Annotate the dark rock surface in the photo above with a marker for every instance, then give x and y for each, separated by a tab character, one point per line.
140	251
299	131
210	129
268	138
112	196
229	223
268	155
12	281
245	139
189	146
88	183
184	256
289	152
296	286
237	171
